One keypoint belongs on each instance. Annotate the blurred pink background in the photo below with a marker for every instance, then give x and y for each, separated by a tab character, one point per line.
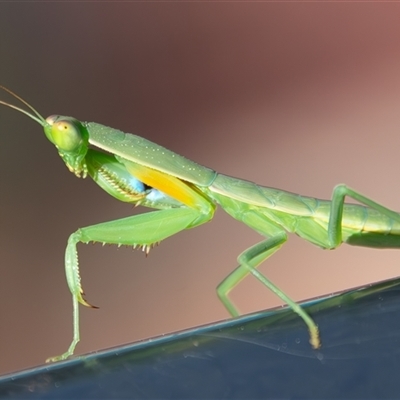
299	96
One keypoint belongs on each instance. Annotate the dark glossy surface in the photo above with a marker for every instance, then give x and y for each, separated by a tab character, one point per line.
265	355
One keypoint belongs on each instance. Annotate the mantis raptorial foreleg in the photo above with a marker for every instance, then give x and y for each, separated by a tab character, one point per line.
142	230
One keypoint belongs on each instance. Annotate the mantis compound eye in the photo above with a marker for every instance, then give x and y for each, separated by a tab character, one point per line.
65	132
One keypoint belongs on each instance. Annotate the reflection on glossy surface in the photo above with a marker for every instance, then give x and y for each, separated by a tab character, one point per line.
264	355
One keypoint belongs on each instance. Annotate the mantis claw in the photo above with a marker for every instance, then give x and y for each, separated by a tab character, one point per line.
83	301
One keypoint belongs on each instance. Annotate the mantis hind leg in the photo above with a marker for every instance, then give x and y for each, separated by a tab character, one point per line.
336	212
251	258
140	230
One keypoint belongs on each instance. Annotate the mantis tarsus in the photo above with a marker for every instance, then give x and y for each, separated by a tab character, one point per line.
137	171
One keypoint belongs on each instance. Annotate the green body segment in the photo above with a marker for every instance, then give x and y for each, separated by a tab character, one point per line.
308	217
185	194
149	154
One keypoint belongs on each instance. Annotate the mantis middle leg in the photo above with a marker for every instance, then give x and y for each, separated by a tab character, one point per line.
251	258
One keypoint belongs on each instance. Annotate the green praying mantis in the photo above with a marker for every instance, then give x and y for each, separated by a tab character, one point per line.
186	194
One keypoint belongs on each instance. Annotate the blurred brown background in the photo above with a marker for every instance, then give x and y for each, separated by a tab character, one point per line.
297	96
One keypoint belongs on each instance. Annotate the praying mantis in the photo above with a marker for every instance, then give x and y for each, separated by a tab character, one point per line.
186	194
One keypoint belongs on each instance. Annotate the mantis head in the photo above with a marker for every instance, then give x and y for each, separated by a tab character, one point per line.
69	135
